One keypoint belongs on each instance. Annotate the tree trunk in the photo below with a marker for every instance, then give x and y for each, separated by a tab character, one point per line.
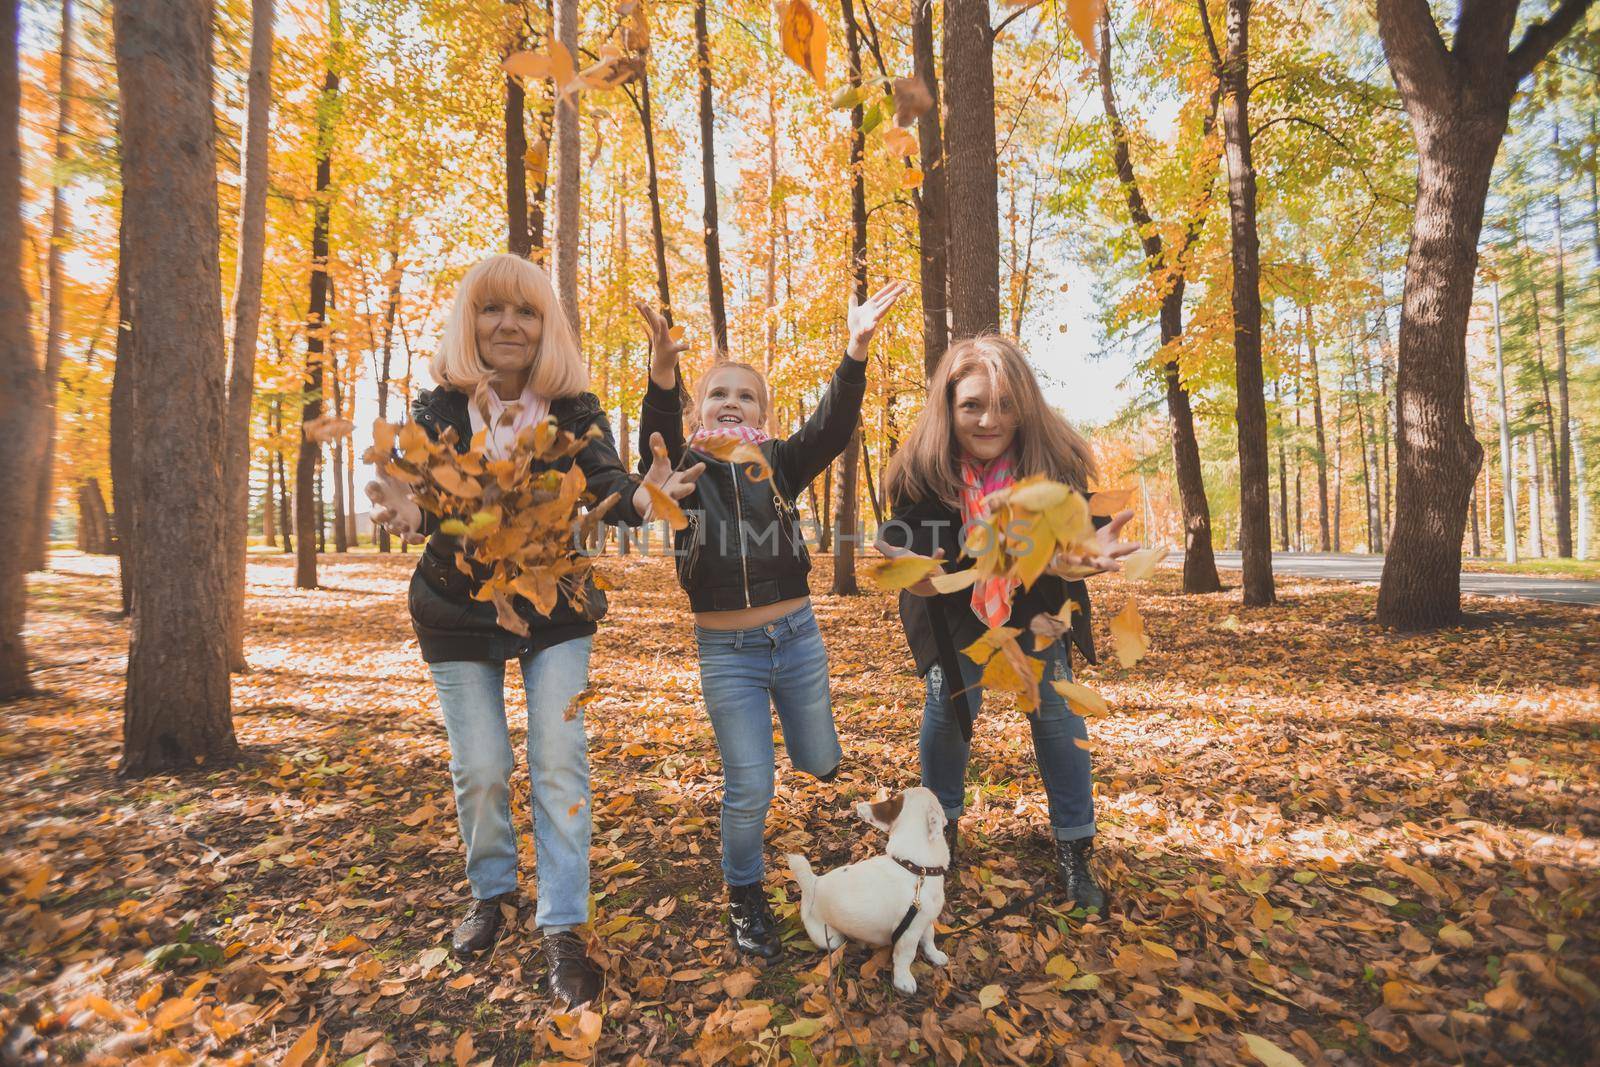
1477	541
971	163
658	241
285	511
519	239
1283	468
844	550
269	518
308	526
1561	470
94	525
1369	507
37	538
568	167
708	177
1535	501
391	309
1376	518
123	428
21	379
932	212
1458	99
1338	470
1316	418
1255	522
341	539
1199	562
177	714
247	317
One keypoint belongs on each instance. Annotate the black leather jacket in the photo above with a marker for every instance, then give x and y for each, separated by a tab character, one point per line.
743	547
450	625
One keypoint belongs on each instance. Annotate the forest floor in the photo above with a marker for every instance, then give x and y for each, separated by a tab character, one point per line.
1324	844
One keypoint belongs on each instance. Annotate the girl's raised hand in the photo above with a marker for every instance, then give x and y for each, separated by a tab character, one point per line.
664	351
1109	548
676	484
864	318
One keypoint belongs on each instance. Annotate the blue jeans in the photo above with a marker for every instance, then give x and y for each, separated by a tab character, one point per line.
743	675
1063	765
472	697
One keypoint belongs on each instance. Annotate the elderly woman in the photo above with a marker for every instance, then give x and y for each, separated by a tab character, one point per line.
508	328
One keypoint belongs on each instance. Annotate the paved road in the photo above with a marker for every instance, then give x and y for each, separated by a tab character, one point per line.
1356	568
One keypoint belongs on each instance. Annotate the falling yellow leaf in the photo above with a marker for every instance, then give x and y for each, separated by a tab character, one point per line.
911	178
1109	501
899	141
1084	15
950	582
1142	564
902	572
911	100
173	1012
732	449
664	507
805	38
1081	699
1128	636
675	332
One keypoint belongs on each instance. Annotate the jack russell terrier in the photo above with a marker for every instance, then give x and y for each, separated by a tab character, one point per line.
891	899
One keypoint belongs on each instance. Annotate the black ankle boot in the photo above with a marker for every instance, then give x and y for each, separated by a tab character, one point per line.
572	977
750	920
480	927
1072	867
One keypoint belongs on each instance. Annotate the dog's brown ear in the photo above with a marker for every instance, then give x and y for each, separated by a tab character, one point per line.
883	813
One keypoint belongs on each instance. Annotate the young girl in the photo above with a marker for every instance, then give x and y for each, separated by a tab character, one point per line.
506	329
986	425
743	563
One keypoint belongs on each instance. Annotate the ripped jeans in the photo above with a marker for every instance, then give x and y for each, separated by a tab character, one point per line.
744	674
1063	764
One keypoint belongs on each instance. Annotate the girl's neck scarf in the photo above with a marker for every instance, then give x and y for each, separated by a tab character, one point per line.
505	419
991	598
753	434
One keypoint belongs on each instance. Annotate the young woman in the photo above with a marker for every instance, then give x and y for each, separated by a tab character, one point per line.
507	328
743	563
986	425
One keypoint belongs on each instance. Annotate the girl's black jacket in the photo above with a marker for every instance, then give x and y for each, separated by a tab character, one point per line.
450	625
743	547
925	525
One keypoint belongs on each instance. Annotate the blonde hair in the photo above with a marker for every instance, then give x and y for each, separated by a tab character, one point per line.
557	369
762	390
927	464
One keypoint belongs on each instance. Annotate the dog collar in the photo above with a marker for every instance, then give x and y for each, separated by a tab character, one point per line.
919	870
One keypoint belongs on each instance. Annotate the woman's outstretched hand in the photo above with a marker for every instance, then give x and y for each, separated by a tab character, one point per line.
863	319
1107	552
676	484
664	351
922	588
393	508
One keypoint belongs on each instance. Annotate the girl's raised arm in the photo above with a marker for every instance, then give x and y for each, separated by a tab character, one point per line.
662	409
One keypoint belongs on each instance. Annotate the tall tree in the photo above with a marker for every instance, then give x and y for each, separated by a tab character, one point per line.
1315	373
568	165
1255	492
247	316
1561	468
519	238
308	527
37	538
844	548
658	240
933	220
708	176
391	310
971	165
177	713
1199	562
21	379
1458	100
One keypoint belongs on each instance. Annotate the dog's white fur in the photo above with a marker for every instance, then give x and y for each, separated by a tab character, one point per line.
866	901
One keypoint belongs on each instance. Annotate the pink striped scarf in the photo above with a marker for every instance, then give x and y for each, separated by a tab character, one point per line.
991	598
753	434
505	419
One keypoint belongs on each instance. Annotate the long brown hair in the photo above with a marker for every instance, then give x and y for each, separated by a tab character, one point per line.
928	464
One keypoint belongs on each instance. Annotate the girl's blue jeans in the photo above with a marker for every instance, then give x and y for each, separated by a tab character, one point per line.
744	674
472	697
1063	764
